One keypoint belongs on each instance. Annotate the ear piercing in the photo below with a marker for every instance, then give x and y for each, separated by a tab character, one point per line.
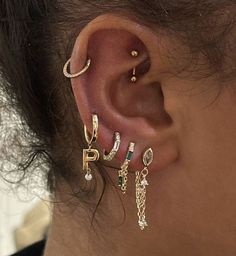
90	155
111	155
69	75
66	73
123	172
141	183
134	78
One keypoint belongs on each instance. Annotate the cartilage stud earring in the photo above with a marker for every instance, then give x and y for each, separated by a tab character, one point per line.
134	53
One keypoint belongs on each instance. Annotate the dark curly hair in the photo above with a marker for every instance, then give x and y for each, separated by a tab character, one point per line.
36	38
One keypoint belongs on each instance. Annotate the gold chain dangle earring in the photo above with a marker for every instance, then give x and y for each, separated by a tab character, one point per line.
123	172
90	154
116	146
134	78
141	183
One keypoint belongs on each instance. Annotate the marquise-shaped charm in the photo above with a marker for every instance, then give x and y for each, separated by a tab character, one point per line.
148	157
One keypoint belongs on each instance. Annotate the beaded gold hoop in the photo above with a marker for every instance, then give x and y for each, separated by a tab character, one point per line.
69	75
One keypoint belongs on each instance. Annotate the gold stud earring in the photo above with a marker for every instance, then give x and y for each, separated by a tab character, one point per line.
69	75
111	155
123	172
141	183
90	154
134	78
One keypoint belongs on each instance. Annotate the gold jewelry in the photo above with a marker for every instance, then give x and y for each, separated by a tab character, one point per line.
134	78
141	183
69	75
123	172
114	150
90	155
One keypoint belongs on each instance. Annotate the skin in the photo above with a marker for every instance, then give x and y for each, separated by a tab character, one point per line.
190	199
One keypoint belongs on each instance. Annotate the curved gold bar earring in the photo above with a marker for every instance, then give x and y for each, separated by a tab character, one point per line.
116	146
69	75
134	77
90	154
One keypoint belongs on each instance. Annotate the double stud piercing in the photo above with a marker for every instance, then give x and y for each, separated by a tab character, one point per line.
91	155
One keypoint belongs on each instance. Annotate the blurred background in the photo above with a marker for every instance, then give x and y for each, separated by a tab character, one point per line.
22	222
24	207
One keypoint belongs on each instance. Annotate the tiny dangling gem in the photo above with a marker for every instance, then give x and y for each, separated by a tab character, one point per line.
88	176
142	224
120	180
144	182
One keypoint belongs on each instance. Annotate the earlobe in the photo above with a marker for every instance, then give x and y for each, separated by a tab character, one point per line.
135	110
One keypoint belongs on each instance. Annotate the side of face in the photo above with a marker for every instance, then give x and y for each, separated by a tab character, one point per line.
190	128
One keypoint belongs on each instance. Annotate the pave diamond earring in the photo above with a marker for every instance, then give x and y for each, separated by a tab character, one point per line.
116	146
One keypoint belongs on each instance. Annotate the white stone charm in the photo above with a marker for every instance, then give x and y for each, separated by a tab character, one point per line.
148	157
144	182
88	176
142	224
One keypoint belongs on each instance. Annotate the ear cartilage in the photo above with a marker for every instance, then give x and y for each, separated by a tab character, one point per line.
134	53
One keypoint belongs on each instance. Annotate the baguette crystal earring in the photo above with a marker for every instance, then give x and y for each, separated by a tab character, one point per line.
123	172
69	75
90	154
116	146
134	78
141	183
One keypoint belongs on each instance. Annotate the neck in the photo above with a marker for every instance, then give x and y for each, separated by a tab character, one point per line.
112	231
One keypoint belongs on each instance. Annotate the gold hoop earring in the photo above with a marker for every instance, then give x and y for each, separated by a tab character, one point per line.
141	183
69	75
116	146
123	172
90	154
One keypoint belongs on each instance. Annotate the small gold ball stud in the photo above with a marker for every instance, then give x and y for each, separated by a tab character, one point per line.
133	79
134	53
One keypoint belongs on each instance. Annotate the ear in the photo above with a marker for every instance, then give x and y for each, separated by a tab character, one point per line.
136	110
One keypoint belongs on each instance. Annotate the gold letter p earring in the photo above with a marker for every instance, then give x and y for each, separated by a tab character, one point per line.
90	155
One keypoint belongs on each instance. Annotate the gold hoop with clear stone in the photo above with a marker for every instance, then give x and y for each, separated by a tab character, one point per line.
116	146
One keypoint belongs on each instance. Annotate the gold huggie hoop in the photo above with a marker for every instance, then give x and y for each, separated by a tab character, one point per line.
115	148
94	134
69	75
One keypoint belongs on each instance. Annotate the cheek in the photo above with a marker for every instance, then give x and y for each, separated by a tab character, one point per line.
208	166
199	193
